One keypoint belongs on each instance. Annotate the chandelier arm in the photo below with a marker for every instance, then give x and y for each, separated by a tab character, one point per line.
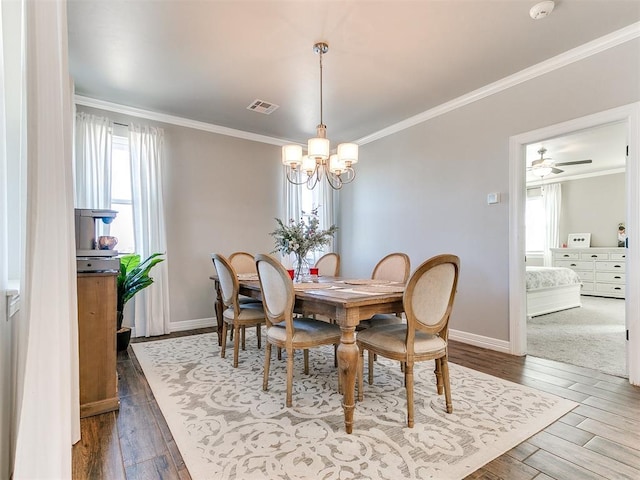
292	179
334	181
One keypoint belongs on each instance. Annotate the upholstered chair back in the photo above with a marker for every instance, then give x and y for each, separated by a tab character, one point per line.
395	267
228	279
328	265
277	290
243	262
429	296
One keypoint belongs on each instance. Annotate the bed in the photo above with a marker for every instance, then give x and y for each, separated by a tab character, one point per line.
550	289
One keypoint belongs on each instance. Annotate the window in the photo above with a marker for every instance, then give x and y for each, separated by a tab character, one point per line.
535	222
121	197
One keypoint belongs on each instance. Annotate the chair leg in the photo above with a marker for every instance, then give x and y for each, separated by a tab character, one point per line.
360	374
305	353
259	335
244	347
438	373
223	347
236	345
231	335
279	353
447	387
371	360
408	380
289	376
267	364
335	356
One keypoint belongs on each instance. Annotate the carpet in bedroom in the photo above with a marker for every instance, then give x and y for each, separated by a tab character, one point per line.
590	336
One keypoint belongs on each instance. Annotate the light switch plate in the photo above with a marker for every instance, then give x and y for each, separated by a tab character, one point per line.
493	198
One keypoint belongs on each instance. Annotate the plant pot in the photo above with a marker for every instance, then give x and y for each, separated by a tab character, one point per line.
123	337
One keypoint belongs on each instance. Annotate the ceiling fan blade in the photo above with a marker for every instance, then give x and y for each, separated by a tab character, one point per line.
577	162
556	170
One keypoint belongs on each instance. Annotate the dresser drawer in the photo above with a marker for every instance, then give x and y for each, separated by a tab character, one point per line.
594	256
587	287
609	277
575	264
587	276
618	256
610	266
610	288
566	255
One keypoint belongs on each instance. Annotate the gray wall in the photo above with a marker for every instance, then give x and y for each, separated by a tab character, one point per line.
423	190
221	195
594	205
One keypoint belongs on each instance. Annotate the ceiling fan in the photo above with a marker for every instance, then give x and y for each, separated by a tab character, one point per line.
544	166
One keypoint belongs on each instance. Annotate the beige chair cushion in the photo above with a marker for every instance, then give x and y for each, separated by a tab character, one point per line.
393	338
379	320
307	330
248	312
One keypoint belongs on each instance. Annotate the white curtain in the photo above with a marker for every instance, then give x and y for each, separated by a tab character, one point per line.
552	198
151	305
48	413
325	212
92	158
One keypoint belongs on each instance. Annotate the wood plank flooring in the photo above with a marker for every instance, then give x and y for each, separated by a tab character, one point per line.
600	439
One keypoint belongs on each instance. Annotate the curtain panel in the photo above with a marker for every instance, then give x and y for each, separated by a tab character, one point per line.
151	305
92	161
552	197
48	348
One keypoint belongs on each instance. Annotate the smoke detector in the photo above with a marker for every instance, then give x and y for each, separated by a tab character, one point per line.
542	9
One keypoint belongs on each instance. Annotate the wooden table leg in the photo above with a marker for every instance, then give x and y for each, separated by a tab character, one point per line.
347	365
217	306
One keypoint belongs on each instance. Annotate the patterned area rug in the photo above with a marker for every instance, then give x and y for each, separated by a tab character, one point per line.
227	427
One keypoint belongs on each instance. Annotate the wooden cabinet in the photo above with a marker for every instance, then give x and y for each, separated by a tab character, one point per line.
601	269
97	343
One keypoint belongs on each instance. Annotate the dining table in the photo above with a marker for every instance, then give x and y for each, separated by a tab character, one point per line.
345	301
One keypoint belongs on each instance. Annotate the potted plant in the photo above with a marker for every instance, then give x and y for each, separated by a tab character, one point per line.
133	277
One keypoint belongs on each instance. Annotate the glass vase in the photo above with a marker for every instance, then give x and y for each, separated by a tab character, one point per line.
301	269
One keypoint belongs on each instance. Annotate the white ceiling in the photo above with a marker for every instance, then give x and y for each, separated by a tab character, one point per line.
388	60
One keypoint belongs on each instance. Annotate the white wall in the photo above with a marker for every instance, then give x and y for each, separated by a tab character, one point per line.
423	190
594	205
221	195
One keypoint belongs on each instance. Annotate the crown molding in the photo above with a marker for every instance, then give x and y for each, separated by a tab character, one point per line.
579	53
576	54
174	120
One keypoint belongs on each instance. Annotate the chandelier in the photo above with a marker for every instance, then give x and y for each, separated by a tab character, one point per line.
318	162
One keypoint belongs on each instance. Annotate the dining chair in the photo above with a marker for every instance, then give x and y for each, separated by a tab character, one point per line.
394	267
428	301
283	329
328	265
243	263
238	315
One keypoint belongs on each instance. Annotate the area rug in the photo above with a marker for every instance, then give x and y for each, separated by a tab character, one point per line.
227	427
591	336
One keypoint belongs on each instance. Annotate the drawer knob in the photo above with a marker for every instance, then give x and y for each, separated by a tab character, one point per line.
617	277
594	256
617	266
573	265
617	288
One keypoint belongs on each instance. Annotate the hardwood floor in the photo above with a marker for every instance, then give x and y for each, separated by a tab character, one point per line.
599	439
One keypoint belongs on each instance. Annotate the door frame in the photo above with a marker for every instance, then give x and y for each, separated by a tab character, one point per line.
517	196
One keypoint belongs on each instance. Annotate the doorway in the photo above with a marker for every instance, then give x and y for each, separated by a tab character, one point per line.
517	309
576	183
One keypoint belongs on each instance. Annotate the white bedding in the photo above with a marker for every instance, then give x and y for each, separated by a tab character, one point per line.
544	277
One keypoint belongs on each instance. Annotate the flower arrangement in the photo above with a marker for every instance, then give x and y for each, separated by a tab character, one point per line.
301	237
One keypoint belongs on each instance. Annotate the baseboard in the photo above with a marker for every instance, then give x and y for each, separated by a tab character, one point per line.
459	336
193	324
480	341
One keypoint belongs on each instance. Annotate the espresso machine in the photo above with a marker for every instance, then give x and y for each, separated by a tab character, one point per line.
95	253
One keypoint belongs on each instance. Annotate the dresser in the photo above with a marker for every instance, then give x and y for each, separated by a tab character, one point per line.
601	269
97	343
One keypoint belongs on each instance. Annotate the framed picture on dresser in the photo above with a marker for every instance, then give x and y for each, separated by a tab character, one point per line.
579	240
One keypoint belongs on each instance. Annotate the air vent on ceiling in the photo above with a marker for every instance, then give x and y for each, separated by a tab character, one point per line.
262	106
